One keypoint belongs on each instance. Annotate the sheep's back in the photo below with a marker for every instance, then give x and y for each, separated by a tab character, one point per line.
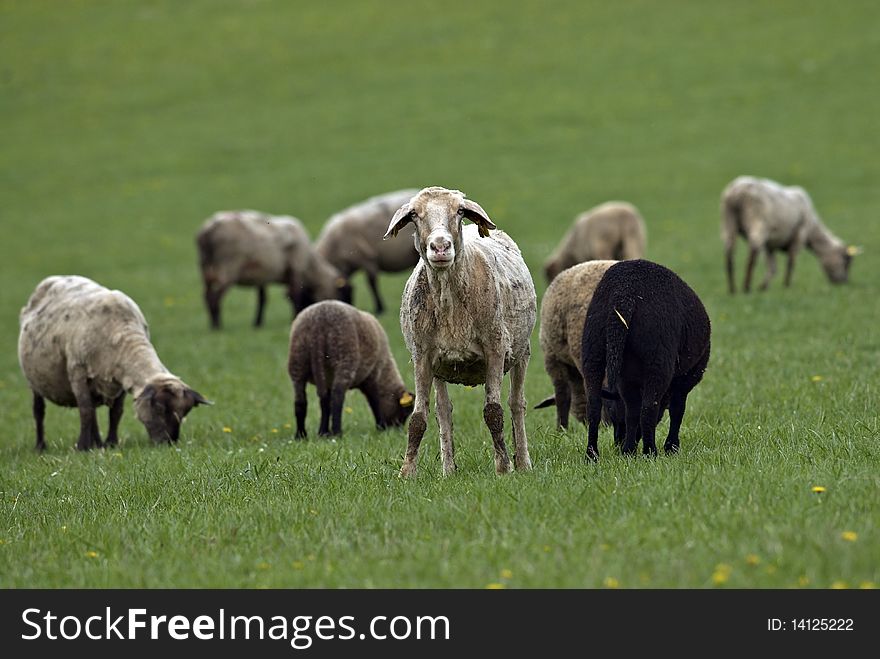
564	310
252	248
71	320
354	235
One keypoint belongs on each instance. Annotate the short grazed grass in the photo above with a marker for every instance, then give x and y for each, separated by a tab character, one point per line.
126	123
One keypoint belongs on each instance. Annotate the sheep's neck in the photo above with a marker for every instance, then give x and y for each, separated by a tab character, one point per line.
449	286
141	364
820	239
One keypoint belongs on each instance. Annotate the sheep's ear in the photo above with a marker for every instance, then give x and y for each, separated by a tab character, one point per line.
475	213
401	218
199	399
547	402
852	250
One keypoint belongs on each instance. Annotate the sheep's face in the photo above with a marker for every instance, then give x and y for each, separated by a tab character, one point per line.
837	262
163	407
394	411
438	214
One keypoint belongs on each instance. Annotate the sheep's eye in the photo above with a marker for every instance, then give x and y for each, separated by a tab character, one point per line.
460	212
414	215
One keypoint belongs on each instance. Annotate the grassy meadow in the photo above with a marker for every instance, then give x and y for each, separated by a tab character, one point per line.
125	124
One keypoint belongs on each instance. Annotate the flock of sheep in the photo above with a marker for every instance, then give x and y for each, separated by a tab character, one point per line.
624	339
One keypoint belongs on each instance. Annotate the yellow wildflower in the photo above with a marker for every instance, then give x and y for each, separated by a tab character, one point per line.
721	574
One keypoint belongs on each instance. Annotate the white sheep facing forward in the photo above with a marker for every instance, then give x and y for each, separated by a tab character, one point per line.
82	345
467	313
771	217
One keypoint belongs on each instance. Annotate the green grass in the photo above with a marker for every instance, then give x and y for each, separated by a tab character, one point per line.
127	123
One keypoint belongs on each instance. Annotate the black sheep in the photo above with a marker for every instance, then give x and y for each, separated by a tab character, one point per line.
650	331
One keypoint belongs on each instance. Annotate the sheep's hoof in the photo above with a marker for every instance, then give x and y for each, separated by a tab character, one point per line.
301	434
670	449
592	454
450	469
408	470
524	464
503	467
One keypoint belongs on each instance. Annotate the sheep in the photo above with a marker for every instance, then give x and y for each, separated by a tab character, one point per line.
250	248
82	345
649	331
467	312
350	240
613	230
771	217
338	347
563	311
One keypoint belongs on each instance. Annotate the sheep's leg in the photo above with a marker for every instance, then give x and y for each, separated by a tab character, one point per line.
632	399
88	420
771	270
615	411
789	266
648	422
324	426
39	409
562	396
296	294
337	401
517	402
300	405
418	422
728	252
578	398
213	294
750	267
374	287
594	415
115	415
444	419
677	403
493	413
261	306
679	391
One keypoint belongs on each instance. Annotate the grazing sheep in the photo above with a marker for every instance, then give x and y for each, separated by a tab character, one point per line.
467	312
774	217
249	248
82	345
352	240
613	230
338	347
563	312
649	331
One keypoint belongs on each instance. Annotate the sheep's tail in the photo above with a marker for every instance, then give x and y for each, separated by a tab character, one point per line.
622	307
731	219
205	244
319	372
